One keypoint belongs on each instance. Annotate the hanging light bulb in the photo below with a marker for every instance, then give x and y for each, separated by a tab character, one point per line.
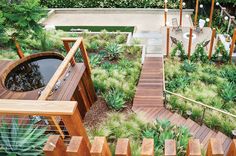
201	5
166	1
207	19
183	4
217	3
226	18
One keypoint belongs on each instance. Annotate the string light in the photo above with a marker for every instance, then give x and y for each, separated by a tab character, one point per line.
217	3
201	5
207	19
226	18
183	4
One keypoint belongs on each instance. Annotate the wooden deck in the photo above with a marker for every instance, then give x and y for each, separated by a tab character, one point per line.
70	89
148	102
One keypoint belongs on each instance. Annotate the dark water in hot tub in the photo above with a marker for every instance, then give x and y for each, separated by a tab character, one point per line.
32	74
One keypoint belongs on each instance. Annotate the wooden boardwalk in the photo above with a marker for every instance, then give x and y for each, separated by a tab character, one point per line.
148	102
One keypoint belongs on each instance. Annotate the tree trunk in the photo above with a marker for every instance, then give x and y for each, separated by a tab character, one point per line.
18	49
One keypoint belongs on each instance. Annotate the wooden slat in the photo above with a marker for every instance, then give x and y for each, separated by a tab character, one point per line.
77	147
54	146
194	148
170	148
214	148
123	148
147	147
232	149
100	147
37	107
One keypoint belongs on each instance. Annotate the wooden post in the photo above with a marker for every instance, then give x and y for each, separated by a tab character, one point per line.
85	57
194	147
232	45
77	147
123	148
214	148
231	18
54	146
181	12
67	47
75	126
196	14
170	148
190	42
232	148
100	147
147	147
211	13
167	42
18	48
212	42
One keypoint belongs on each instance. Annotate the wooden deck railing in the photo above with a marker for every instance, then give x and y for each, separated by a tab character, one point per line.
61	69
66	110
77	147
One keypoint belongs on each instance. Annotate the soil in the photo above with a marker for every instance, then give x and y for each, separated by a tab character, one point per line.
98	112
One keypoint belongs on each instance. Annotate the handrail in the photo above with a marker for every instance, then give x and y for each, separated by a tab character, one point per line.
200	103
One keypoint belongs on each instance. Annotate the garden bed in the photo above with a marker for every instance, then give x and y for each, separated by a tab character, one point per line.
209	83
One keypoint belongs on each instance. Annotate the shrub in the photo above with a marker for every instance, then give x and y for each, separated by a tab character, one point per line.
228	92
95	60
115	99
113	51
22	139
199	54
178	83
220	50
179	50
162	130
188	66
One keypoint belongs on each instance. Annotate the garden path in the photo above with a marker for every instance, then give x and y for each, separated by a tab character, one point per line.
148	102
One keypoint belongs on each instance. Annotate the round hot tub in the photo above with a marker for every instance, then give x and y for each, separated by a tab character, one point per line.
31	72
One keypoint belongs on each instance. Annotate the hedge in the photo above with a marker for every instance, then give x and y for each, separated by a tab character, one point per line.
123	3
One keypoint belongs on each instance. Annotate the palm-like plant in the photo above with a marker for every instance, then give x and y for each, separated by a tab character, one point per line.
113	51
228	92
22	139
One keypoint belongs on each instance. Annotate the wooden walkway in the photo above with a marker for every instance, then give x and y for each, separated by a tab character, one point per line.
148	102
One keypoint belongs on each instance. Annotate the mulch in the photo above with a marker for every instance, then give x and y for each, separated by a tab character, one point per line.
98	112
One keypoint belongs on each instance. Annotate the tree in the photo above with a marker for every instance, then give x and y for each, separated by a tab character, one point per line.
21	20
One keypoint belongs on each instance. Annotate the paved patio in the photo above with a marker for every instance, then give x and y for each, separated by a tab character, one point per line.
142	19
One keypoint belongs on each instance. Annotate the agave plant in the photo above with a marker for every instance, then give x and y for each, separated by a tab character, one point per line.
115	99
22	139
113	51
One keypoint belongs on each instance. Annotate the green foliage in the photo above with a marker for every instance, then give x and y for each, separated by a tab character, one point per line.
118	125
210	84
115	99
21	139
228	92
220	55
113	51
199	54
109	4
95	60
188	66
21	19
162	130
179	50
229	72
178	83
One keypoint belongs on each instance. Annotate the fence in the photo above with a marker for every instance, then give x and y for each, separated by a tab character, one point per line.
100	147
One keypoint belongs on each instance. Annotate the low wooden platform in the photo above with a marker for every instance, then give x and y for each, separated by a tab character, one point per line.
148	103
